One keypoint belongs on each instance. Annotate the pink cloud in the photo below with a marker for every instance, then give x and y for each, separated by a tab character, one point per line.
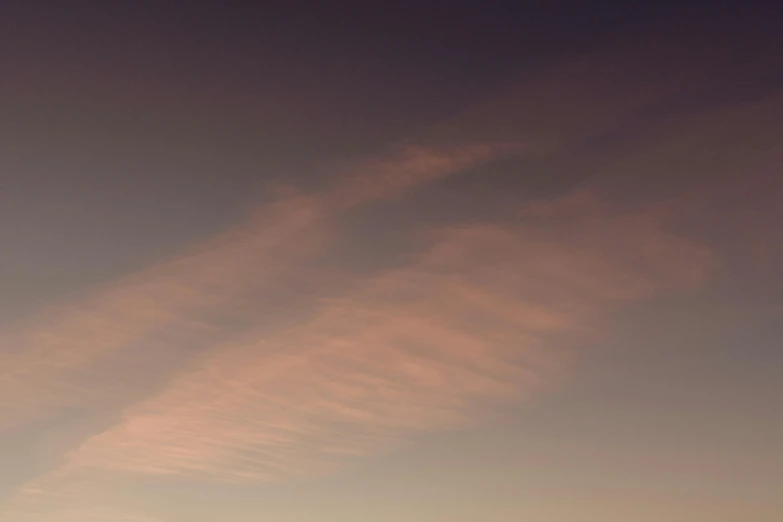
475	322
93	352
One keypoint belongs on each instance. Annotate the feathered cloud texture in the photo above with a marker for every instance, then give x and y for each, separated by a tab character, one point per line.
230	364
94	353
414	349
121	344
476	321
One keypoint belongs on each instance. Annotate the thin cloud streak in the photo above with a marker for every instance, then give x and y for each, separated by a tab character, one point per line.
416	349
93	352
48	363
482	319
477	322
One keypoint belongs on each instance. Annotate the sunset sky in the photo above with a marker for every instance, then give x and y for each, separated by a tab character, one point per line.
348	262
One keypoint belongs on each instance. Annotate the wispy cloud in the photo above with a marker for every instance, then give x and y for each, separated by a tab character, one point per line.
84	351
81	352
208	389
475	320
97	351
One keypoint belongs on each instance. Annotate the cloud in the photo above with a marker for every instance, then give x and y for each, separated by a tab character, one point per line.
481	319
477	321
113	343
212	387
375	179
122	342
88	351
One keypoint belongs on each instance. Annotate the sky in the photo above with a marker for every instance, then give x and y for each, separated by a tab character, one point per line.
343	262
